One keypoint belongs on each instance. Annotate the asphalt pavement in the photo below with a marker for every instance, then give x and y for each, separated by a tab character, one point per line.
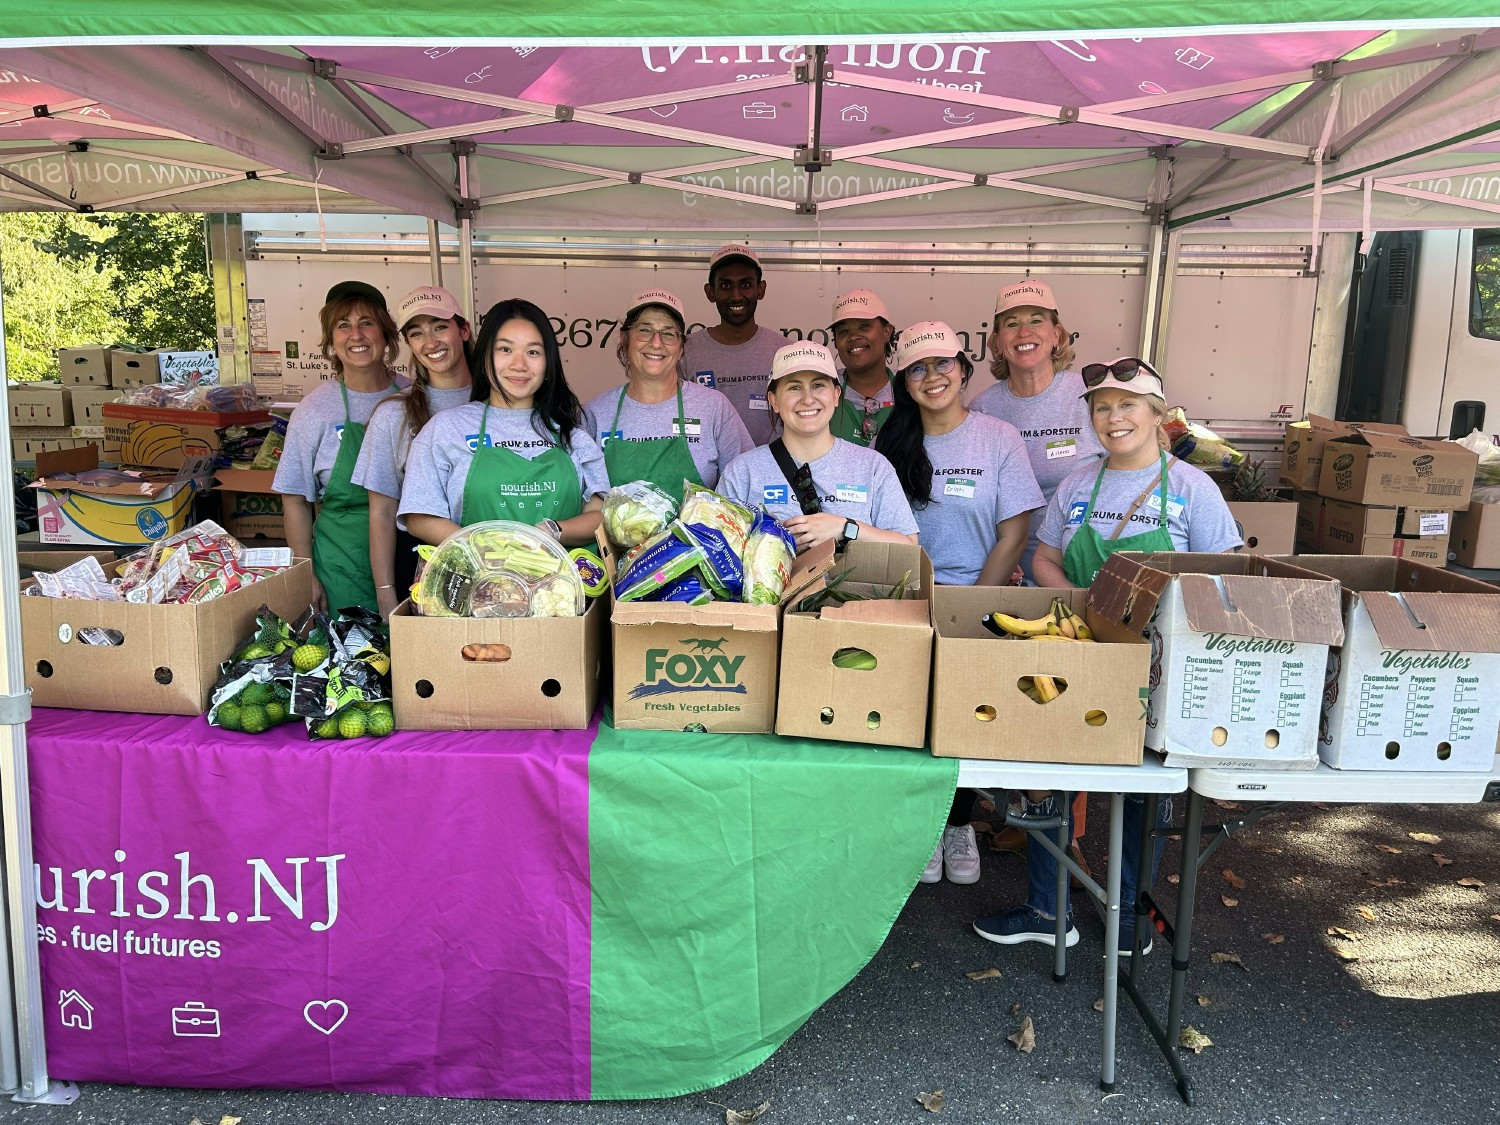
1364	992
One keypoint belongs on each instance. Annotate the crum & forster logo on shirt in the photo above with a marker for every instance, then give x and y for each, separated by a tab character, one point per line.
958	472
1057	431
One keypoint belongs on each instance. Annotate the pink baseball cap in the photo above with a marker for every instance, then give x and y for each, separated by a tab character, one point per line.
733	251
426	300
659	297
859	304
927	339
1022	293
1123	374
803	355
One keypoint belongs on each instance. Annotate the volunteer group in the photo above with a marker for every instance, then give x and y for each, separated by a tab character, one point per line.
1037	479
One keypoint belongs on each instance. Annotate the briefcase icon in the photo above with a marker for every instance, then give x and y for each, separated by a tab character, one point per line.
759	110
195	1020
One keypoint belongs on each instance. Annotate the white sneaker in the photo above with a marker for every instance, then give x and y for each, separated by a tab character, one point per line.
933	872
960	854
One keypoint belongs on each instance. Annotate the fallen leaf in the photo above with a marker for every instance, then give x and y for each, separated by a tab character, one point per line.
1227	959
1441	860
1340	932
195	1121
734	1116
916	965
933	1102
1367	914
1099	1004
981	826
1194	1040
1298	879
1015	1009
1274	939
1425	837
1321	805
1271	851
985	974
1344	953
1387	848
1495	917
1025	1038
1174	879
1233	880
1388	881
1227	804
1204	1001
1470	881
227	1120
1227	901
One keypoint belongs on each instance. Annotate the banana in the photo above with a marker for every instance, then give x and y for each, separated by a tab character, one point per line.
1004	625
1055	630
1046	687
1096	718
1082	631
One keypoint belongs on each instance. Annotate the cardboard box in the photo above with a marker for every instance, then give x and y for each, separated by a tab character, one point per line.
129	368
713	667
56	560
1411	688
170	658
249	508
134	513
1345	524
1302	446
1238	648
156	438
39	404
1395	470
979	711
182	368
1433	552
885	705
88	405
84	366
551	681
1476	536
1268	528
30	448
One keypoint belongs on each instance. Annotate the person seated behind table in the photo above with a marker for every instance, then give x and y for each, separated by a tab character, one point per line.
656	427
830	489
518	451
1139	498
971	489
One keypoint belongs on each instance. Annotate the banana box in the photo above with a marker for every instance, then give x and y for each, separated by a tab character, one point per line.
985	702
1238	648
78	503
150	437
858	671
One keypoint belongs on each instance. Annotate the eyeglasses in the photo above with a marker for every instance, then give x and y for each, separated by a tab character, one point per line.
669	336
802	485
867	423
942	366
1123	370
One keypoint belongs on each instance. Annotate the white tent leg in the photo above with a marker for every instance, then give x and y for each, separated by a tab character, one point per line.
464	154
435	252
1155	345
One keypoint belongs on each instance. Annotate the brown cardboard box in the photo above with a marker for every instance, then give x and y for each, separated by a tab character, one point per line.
1309	521
27	448
1302	446
713	666
88	404
249	508
978	708
1392	470
1433	552
1344	524
1238	648
885	705
153	438
39	404
551	681
56	560
84	366
1476	536
171	655
1268	528
131	368
141	510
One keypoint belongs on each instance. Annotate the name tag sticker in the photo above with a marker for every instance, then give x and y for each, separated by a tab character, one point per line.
687	427
775	494
758	402
705	378
1064	447
959	486
852	493
1175	504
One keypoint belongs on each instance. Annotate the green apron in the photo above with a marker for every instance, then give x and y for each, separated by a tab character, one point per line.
1087	550
848	420
341	533
665	462
503	485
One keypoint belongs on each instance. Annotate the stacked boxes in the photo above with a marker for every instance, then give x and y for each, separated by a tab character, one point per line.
1476	536
1335	527
41	416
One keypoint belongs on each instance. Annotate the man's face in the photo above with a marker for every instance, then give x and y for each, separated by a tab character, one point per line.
735	291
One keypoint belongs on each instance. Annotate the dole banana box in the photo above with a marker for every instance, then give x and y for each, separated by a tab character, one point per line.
1413	685
1238	648
981	710
710	667
151	437
858	671
110	508
1397	469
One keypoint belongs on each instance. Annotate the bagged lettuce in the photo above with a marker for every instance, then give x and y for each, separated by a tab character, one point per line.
769	552
669	554
721	567
635	511
701	505
690	588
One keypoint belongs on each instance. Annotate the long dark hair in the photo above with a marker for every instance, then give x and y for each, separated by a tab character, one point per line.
901	439
555	403
414	400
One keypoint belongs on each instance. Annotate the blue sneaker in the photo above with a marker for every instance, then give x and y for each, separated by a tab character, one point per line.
1127	936
1021	923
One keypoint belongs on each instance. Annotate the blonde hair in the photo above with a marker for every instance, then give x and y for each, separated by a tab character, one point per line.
1062	355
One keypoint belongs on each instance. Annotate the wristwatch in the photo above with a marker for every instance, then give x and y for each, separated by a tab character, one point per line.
850	533
552	528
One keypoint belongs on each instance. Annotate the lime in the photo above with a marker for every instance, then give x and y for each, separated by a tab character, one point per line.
258	693
380	722
228	715
328	728
308	657
352	723
257	651
275	712
253	719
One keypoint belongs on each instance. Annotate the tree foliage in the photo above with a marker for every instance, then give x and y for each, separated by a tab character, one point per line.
88	279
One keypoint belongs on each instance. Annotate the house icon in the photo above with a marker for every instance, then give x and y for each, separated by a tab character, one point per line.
76	1011
856	113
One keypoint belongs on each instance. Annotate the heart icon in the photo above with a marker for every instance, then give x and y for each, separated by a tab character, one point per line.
326	1015
664	111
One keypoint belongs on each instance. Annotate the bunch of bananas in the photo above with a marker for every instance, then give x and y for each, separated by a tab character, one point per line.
1042	689
1059	623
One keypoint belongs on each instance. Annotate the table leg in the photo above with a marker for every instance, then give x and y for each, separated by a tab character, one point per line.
1192	837
1060	944
1112	939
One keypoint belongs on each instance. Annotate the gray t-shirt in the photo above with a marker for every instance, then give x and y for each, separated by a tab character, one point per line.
1057	430
441	454
739	372
382	458
850	481
1198	519
980	478
714	432
313	435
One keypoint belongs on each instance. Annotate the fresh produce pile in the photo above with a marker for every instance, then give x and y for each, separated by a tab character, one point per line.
1197	444
331	674
712	549
1059	623
500	568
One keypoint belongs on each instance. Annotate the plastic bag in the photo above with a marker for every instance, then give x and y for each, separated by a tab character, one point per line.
1488	470
666	556
635	511
721	567
690	588
768	560
1198	445
704	506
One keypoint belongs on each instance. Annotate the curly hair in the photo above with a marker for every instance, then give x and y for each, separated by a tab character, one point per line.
1062	355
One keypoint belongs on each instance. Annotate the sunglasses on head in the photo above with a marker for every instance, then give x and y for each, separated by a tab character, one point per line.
1123	370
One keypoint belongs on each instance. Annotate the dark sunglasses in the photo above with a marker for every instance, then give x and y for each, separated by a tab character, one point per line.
1123	371
802	485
